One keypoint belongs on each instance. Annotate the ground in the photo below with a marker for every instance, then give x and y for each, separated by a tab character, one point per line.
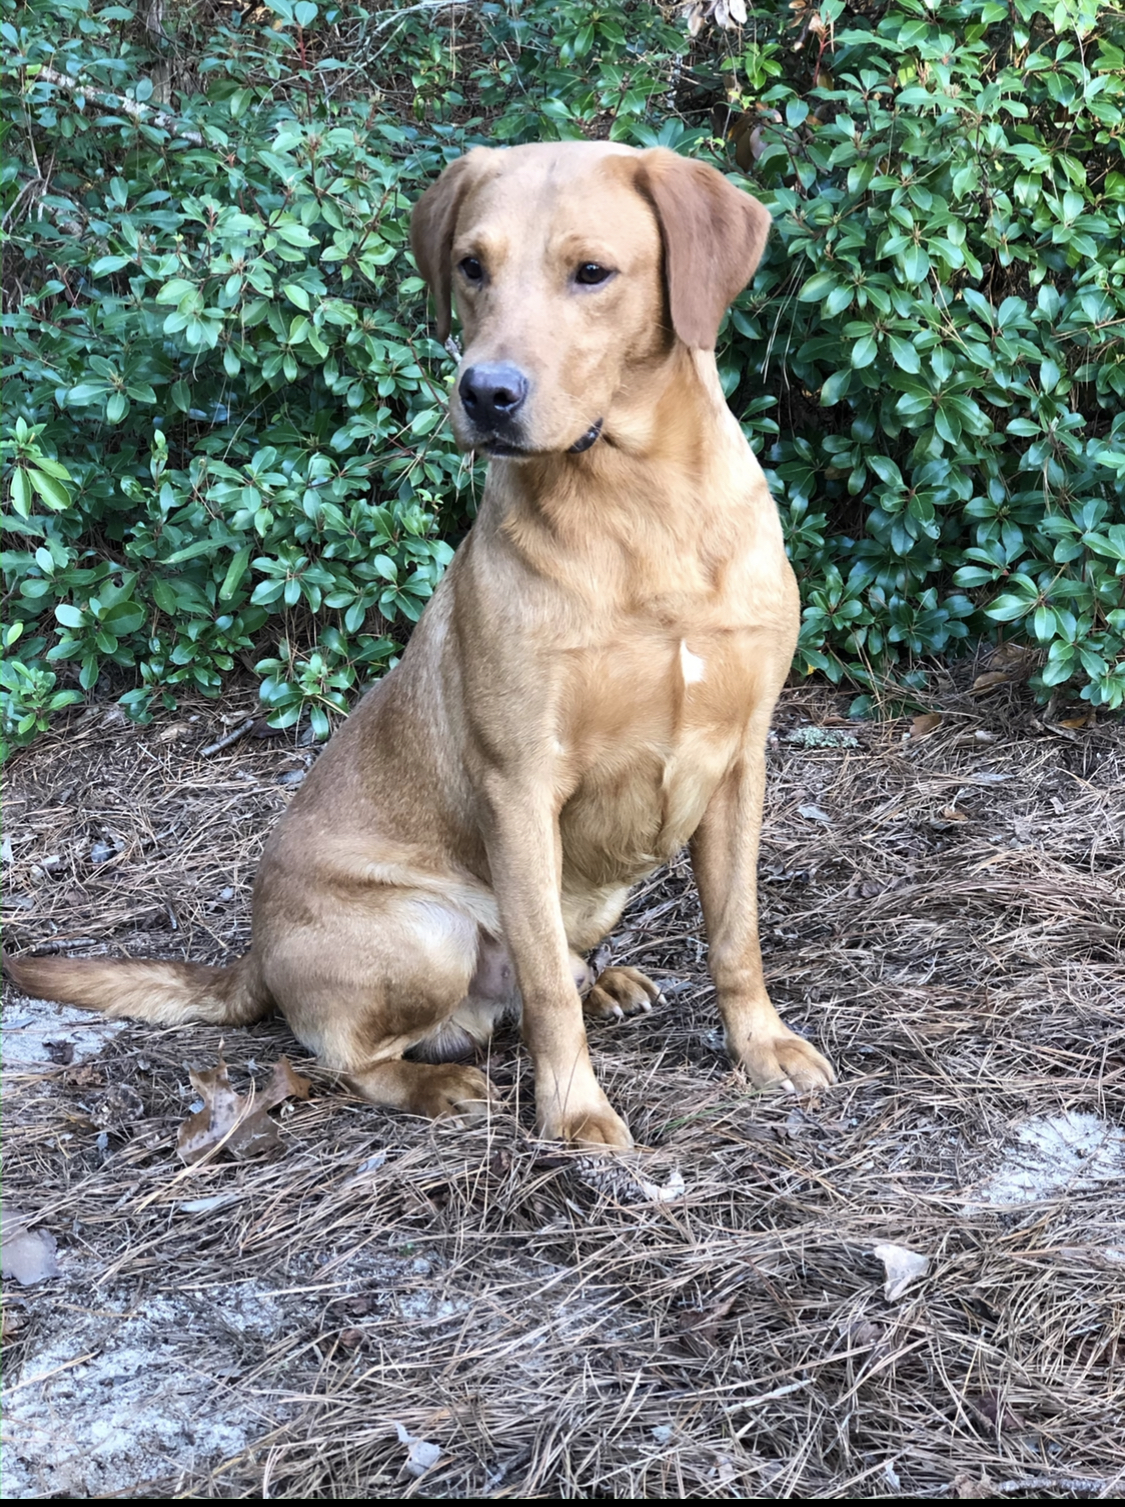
392	1308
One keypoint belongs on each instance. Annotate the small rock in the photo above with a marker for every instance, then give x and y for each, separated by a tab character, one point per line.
28	1255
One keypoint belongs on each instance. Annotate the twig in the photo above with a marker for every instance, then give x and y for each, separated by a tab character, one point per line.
227	739
31	183
159	117
1060	1483
410	10
67	1365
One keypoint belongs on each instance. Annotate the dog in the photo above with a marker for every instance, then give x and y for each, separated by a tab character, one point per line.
589	689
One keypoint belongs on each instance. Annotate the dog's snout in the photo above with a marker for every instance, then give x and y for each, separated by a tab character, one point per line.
492	392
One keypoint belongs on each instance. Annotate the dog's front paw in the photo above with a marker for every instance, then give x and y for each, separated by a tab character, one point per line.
601	1127
784	1062
619	992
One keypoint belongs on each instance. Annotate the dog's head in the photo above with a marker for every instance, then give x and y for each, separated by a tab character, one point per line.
575	268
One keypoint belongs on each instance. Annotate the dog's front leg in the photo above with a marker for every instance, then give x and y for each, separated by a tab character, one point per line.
524	851
724	855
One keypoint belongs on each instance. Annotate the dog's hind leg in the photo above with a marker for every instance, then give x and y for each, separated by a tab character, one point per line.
362	982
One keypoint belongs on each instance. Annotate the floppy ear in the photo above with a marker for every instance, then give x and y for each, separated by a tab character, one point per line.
713	235
432	226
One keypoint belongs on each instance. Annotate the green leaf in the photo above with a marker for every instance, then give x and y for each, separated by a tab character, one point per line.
235	572
174	291
834	388
52	491
817	287
1008	608
916	264
906	357
193	551
21	492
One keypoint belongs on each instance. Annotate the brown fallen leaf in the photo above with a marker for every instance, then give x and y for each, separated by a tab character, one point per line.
994	1413
240	1126
925	723
989	681
966	1487
174	732
12	1324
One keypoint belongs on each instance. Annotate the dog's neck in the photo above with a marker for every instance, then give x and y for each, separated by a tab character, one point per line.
666	495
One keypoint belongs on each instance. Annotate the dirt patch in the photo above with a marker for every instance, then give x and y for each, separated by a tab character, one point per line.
397	1309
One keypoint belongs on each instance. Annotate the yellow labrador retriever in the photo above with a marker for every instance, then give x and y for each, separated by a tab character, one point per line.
589	689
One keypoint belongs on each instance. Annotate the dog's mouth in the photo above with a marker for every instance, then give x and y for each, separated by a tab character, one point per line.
496	447
591	437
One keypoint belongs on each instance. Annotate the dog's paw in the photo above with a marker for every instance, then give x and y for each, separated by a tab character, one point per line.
600	1128
445	1089
785	1063
619	992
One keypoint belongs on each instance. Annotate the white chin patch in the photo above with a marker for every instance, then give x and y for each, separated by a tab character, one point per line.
691	666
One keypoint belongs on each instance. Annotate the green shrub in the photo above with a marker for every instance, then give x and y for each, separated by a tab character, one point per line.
224	405
949	288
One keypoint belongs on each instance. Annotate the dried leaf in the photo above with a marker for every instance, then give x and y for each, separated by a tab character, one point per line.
1018	657
420	1455
902	1267
925	724
814	814
174	732
989	681
28	1255
284	1084
12	1324
966	1487
241	1126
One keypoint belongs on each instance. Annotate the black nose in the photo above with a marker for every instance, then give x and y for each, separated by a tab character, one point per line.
492	392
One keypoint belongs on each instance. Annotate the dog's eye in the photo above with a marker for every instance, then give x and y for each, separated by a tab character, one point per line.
472	269
591	273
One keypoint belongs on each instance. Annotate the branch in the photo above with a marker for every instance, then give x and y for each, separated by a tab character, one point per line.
159	118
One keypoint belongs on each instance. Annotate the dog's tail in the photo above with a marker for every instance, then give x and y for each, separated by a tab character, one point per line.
167	993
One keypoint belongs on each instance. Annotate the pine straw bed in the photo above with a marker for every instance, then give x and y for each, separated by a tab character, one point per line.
398	1309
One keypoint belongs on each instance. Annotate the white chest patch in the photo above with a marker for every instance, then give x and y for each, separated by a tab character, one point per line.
691	666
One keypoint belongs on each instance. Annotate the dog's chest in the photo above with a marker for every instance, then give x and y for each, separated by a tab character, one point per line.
654	727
